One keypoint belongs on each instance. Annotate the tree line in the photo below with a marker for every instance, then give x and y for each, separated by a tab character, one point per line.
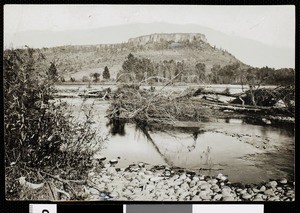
138	69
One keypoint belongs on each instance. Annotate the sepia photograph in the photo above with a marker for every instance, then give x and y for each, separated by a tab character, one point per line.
149	103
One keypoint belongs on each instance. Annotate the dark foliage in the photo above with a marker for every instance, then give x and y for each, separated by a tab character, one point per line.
106	74
39	134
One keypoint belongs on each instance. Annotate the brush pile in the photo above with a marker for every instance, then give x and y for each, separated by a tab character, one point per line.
152	106
131	103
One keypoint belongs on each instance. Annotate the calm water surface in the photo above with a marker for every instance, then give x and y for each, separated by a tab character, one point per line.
232	147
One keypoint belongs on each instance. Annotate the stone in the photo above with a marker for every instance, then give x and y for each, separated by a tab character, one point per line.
269	192
218	197
272	184
205	186
258	199
185	186
258	196
113	194
223	178
249	191
262	189
113	161
215	188
192	183
274	198
283	181
203	195
255	190
219	176
244	191
290	193
195	178
155	179
99	157
228	198
246	196
148	173
239	190
91	174
183	176
111	171
196	198
226	192
213	181
167	173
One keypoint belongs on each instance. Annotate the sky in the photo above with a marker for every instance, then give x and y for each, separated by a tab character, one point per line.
274	25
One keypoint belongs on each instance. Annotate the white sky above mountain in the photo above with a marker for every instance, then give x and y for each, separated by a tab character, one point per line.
273	25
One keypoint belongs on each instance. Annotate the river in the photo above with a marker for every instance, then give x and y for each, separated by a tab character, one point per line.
244	151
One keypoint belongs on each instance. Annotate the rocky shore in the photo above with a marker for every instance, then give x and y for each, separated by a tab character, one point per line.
160	183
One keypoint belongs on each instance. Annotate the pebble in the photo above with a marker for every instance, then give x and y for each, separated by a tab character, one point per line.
111	171
215	188
192	183
91	174
274	198
155	179
258	197
218	197
246	196
99	157
228	198
226	192
272	184
269	192
107	165
153	185
195	178
213	181
183	177
255	190
203	195
283	181
244	191
196	198
113	161
167	173
113	194
262	189
205	186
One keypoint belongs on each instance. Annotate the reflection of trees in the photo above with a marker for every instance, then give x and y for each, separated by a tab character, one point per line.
149	138
117	126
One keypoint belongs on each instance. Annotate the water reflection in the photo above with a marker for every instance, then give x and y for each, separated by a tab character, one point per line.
116	126
206	147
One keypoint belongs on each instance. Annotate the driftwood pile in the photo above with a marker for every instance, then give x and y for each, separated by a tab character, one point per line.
154	107
150	106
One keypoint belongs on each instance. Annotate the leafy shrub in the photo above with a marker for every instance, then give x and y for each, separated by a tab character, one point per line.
40	134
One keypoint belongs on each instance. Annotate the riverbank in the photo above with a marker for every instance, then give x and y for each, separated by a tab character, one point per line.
138	182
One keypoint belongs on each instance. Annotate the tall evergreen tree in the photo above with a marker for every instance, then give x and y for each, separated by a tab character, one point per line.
106	74
52	71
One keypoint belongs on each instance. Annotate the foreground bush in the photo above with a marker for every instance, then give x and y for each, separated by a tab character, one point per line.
41	138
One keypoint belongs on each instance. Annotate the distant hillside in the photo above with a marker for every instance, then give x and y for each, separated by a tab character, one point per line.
192	48
249	51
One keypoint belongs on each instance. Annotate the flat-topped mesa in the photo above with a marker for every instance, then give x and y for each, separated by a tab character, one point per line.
175	37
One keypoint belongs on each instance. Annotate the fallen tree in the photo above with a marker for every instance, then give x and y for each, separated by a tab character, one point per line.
152	106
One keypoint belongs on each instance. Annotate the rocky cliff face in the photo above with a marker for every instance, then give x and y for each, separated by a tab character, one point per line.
175	37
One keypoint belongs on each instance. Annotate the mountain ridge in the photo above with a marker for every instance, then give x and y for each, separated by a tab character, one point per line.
188	48
249	51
